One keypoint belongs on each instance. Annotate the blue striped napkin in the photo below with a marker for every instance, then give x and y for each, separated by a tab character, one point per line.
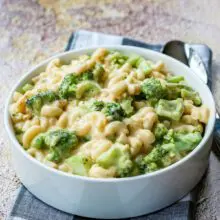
28	207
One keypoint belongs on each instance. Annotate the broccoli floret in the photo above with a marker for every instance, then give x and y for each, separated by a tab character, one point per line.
183	143
118	156
175	79
169	152
39	141
152	161
60	143
68	86
36	102
171	155
135	170
79	164
140	164
152	89
117	59
98	72
85	76
173	93
159	157
140	63
125	167
26	87
155	156
133	60
173	90
126	105
186	142
191	95
143	66
160	131
113	111
169	137
49	96
172	109
97	105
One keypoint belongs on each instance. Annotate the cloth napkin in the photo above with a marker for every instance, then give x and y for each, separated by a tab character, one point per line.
28	207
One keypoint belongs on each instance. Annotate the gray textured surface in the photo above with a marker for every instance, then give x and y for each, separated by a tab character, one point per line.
31	31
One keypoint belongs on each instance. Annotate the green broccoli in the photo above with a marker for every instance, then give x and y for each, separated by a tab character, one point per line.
117	59
39	141
160	157
186	142
140	164
79	164
169	137
175	79
160	131
171	155
152	89
98	72
85	76
133	60
183	143
60	142
67	87
36	102
49	96
118	155
144	66
169	152
140	63
173	90
113	111
191	95
135	170
172	109
151	162
126	105
26	87
173	93
97	105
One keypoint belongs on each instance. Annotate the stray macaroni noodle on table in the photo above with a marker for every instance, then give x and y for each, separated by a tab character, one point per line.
108	114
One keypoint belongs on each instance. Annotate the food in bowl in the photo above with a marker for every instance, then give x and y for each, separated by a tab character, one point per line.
108	114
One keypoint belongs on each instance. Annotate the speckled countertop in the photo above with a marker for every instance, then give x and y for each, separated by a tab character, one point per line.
32	30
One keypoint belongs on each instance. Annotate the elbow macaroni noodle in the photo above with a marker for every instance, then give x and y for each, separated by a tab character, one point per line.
118	81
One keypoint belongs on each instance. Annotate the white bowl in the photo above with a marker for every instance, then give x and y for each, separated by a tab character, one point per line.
115	198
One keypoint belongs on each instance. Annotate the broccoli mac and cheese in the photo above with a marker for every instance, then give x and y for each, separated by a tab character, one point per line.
108	114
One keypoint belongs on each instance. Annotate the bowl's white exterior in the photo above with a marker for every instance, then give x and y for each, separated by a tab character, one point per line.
115	198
